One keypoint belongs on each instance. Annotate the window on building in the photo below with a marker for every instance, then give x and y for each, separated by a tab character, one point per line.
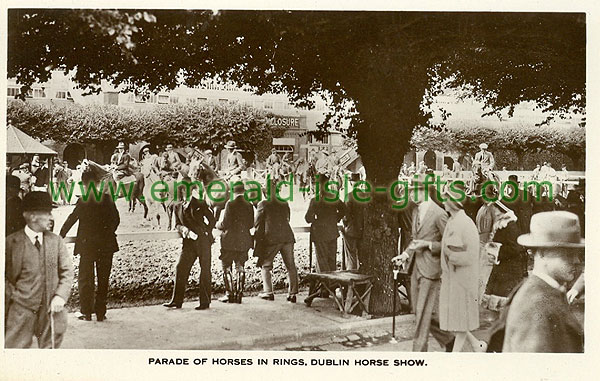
269	105
223	100
174	99
61	95
130	98
13	91
139	98
312	139
191	101
152	99
163	99
202	100
39	93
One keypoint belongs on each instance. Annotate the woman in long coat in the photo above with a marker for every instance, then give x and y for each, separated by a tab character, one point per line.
459	304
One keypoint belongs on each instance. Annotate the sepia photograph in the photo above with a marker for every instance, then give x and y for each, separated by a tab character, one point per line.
358	182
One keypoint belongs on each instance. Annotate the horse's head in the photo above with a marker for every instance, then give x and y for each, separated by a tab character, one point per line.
85	165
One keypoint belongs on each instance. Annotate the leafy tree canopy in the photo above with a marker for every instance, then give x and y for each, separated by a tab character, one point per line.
203	125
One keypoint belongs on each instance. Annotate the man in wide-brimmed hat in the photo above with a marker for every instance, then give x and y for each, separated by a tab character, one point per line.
427	227
38	279
538	318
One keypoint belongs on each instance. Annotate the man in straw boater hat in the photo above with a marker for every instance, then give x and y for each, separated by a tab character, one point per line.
538	318
38	279
483	159
427	228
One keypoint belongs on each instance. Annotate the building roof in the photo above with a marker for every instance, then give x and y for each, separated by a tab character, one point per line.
18	142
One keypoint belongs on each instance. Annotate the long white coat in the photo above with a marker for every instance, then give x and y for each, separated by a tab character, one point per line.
459	305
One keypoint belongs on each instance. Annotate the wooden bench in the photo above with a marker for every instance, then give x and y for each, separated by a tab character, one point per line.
356	289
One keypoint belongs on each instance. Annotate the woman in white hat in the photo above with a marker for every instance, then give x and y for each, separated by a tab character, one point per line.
459	307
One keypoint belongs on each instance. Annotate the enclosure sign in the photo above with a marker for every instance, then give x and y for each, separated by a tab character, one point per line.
286	121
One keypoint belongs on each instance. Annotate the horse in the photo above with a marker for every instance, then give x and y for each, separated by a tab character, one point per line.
100	174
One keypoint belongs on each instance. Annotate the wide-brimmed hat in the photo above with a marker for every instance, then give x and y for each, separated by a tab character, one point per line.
230	144
37	201
483	146
121	145
13	182
553	229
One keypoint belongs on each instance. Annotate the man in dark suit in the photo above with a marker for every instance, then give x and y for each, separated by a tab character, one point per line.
122	162
428	224
14	208
538	317
96	243
274	235
38	278
353	227
195	222
236	240
324	216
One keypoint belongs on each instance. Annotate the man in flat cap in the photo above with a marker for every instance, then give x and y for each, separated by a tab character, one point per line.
38	279
483	159
538	318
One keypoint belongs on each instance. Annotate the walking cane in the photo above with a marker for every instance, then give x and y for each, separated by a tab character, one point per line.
52	329
310	244
395	271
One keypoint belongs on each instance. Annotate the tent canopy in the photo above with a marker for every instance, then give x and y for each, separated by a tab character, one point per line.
18	142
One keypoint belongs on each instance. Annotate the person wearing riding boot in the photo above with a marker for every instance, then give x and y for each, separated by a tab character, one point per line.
121	160
38	278
236	240
483	159
274	235
96	244
353	227
324	214
235	164
459	305
195	222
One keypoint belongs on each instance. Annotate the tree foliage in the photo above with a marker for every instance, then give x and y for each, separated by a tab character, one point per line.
521	138
379	69
204	125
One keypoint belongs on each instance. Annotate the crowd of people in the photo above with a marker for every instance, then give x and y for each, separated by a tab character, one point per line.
462	254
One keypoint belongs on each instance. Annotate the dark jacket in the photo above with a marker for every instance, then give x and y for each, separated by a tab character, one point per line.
193	217
237	221
323	217
354	218
513	262
272	222
98	221
539	320
14	215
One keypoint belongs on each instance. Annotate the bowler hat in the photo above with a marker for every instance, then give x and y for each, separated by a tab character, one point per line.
230	144
553	229
13	182
37	201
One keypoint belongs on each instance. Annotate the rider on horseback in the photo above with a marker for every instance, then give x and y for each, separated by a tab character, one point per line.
121	162
484	161
235	163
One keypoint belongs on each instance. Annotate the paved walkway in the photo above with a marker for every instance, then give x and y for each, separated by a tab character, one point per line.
254	324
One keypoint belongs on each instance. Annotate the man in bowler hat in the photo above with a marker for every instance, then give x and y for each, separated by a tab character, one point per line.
38	278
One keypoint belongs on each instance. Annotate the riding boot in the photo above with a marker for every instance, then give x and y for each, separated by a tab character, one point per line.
228	282
241	280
